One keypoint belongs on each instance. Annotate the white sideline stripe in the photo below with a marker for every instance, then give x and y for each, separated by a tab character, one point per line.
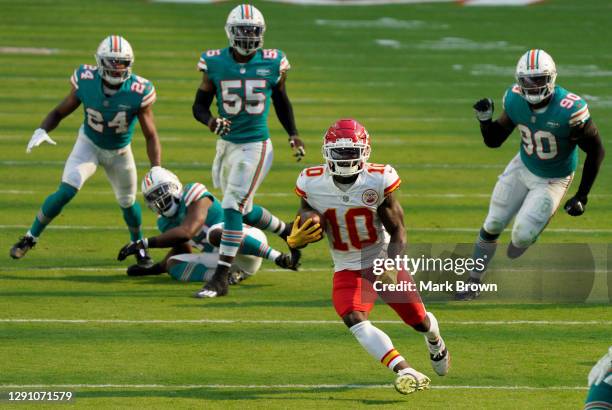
274	386
413	229
308	322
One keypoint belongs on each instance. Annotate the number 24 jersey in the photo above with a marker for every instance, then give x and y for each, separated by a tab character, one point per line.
110	120
355	232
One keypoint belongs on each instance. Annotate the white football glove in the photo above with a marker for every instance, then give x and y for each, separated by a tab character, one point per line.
484	109
38	138
221	126
600	370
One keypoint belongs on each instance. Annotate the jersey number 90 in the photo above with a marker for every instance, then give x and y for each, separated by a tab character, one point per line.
542	142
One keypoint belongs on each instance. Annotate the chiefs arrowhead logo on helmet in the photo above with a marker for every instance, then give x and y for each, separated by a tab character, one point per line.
346	147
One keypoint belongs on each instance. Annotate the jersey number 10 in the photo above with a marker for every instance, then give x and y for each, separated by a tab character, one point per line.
350	219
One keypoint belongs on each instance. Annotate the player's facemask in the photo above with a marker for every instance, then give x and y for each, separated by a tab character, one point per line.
114	70
246	39
162	200
536	88
345	161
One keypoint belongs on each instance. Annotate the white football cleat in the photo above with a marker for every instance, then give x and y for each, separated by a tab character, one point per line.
440	357
411	381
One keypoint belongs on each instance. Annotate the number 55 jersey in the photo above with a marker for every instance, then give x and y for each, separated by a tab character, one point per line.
109	120
355	232
244	89
546	148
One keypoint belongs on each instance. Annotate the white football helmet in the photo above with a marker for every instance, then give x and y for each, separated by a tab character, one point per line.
114	58
162	191
535	75
245	29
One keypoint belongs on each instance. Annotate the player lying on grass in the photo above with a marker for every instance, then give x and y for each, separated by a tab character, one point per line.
600	384
552	123
244	78
364	221
113	98
191	217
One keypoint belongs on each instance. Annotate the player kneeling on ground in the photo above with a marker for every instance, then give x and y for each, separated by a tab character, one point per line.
191	217
552	123
112	97
364	219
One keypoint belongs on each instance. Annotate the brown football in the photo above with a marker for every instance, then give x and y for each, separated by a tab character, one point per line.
316	218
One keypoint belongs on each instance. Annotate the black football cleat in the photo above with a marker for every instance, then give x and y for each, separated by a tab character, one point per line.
216	287
469	294
22	247
143	259
289	261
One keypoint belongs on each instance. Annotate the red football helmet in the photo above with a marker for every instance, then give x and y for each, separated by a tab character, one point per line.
346	147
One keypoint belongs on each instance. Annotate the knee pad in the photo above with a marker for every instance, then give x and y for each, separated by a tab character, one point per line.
493	227
524	234
126	200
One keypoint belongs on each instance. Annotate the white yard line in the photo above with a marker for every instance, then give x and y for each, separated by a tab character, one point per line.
273	386
305	322
450	195
410	229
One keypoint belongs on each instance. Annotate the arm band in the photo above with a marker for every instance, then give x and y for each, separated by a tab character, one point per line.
201	106
590	142
284	110
493	133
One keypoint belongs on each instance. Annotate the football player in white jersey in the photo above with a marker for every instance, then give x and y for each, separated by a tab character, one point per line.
364	221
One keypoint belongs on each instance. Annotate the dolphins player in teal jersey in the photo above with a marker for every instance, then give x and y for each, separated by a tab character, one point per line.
191	217
552	124
243	78
113	98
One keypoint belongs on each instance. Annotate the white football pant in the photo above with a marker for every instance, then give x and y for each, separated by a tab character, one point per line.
532	199
239	169
119	166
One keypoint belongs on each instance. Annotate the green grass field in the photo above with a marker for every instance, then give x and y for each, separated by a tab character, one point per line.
276	342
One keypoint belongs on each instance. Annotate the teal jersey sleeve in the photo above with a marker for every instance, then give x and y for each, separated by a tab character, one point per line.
195	191
545	147
243	90
109	121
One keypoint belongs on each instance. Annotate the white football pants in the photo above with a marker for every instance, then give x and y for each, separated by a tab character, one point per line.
239	169
119	166
532	199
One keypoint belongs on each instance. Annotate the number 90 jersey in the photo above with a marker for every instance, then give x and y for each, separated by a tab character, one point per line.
244	90
546	148
109	121
355	232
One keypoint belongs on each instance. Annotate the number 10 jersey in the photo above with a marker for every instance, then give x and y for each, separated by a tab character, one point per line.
355	232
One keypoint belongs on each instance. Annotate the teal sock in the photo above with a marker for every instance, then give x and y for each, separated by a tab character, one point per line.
261	218
190	272
484	249
232	233
52	207
253	246
133	219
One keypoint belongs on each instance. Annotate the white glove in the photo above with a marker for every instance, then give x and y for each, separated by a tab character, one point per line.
38	138
601	369
221	126
484	109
